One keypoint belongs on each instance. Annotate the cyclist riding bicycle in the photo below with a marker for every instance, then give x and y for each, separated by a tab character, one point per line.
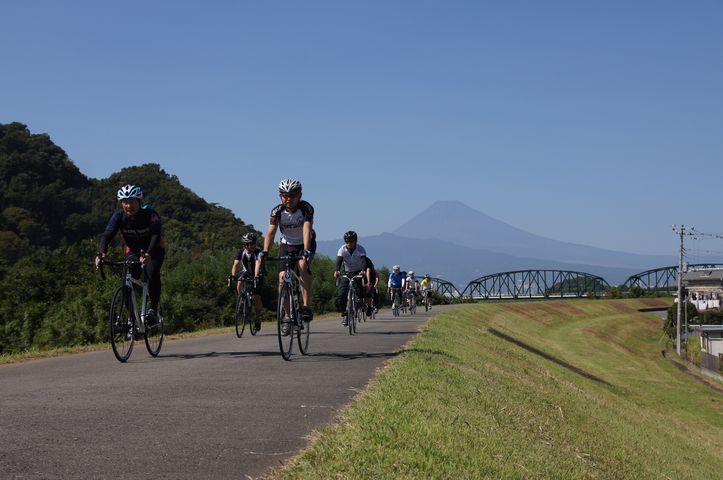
411	286
426	287
140	227
395	282
247	260
353	256
295	219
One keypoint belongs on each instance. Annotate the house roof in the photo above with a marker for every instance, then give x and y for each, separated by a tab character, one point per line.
708	280
709	328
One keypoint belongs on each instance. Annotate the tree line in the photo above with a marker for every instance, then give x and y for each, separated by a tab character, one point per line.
50	218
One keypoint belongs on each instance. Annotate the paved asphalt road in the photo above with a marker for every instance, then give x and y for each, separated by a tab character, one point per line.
207	407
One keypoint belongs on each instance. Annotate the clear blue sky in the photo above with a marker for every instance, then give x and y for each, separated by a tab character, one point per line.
573	120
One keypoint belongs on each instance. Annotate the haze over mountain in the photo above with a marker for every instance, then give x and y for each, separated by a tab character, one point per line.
459	224
456	263
455	242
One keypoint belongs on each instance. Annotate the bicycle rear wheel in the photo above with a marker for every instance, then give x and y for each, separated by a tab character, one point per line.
122	325
240	315
285	321
154	335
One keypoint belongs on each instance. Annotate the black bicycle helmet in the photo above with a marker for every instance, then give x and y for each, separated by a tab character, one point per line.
249	238
350	236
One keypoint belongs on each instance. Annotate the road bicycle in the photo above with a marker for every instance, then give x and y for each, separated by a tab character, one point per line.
396	300
289	320
411	301
128	309
356	308
427	299
245	313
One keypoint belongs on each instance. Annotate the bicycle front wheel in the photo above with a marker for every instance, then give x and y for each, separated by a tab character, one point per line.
154	335
122	326
252	316
303	334
240	315
285	313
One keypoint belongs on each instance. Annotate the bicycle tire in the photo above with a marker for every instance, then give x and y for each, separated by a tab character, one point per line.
350	313
153	336
286	342
122	324
249	309
303	335
240	316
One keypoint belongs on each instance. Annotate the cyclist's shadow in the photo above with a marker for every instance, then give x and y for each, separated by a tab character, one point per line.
194	356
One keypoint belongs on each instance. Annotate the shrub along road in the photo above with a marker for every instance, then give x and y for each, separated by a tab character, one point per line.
213	407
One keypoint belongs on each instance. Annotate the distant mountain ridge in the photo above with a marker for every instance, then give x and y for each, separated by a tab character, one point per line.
455	242
459	224
456	263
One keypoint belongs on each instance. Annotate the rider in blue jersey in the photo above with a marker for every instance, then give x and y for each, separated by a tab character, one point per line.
396	281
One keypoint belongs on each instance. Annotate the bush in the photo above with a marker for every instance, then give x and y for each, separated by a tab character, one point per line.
671	320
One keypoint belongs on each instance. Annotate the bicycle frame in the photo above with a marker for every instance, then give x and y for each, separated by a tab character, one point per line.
129	282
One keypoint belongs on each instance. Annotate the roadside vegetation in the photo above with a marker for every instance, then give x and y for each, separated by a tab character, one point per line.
567	389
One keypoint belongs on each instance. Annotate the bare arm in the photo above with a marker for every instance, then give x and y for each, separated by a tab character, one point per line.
270	236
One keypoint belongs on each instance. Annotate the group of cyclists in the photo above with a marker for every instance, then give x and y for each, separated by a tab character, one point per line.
293	218
404	288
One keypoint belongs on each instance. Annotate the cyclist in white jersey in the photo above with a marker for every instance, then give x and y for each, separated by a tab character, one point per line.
294	218
353	256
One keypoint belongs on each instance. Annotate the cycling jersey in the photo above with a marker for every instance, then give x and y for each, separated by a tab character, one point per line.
248	260
426	284
396	280
353	261
372	273
291	223
141	231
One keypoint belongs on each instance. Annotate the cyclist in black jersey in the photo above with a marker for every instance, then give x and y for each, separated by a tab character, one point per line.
372	285
140	227
248	262
294	217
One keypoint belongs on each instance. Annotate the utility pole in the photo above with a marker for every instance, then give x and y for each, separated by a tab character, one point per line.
680	231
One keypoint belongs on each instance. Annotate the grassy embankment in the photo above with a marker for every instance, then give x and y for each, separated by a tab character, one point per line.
563	389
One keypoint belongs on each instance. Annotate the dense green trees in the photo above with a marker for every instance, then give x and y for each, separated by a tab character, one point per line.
50	219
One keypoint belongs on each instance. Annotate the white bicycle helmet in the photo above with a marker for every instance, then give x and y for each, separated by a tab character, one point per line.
410	273
289	185
129	191
395	268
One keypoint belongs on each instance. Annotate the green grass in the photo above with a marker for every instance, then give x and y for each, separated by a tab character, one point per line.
564	389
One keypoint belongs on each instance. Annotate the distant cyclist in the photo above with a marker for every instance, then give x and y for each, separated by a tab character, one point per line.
395	282
411	286
140	228
248	262
372	287
294	217
353	257
426	286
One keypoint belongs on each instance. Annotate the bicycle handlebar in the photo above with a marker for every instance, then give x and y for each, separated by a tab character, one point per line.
285	257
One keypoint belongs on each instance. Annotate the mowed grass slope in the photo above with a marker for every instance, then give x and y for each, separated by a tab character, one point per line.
555	389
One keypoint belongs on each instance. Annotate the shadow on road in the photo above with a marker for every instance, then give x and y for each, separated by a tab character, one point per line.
327	356
194	356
